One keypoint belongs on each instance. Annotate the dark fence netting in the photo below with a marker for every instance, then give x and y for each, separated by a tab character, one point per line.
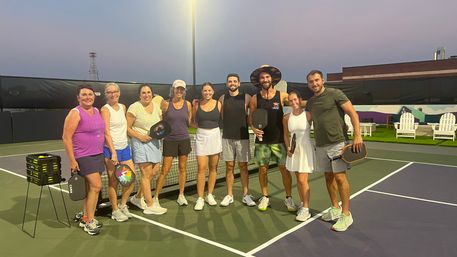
42	93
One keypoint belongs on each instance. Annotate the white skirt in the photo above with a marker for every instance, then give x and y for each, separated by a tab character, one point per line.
208	141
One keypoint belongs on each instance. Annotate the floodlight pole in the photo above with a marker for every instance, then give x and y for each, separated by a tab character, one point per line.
194	75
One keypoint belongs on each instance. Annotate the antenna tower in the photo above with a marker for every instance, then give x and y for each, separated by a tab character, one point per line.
93	70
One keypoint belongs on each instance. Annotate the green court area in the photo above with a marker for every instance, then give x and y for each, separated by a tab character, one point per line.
215	231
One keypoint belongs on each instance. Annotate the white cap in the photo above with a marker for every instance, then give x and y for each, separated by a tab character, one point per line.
179	83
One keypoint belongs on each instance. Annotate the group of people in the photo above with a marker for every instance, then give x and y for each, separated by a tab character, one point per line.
98	139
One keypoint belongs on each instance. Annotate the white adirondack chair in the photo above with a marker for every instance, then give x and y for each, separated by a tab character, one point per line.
406	127
348	122
446	128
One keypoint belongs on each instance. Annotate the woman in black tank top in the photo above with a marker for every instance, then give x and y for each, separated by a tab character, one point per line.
208	143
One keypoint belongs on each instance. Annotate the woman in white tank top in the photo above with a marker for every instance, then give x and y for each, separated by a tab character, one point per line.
117	149
301	160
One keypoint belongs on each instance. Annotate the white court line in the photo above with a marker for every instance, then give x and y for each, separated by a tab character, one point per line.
412	198
25	177
22	154
425	163
276	238
192	236
227	248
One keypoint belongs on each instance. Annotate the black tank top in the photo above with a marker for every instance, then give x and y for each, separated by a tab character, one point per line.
273	132
234	123
208	120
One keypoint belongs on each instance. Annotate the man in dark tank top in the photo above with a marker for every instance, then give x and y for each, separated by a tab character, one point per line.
235	137
272	144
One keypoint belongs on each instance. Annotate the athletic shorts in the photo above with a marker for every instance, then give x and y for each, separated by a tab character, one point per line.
122	155
176	148
208	141
234	149
146	152
91	164
265	152
324	156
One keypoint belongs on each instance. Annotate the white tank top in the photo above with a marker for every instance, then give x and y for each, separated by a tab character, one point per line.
118	127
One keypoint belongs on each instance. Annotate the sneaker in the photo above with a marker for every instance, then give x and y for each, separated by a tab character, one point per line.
154	209
138	202
210	200
289	202
332	214
119	216
264	202
78	216
343	223
125	210
91	228
303	214
83	221
182	200
199	204
228	199
247	199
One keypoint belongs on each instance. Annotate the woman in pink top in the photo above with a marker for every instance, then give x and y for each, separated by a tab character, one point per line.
83	138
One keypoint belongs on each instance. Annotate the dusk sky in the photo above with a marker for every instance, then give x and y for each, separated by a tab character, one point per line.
150	40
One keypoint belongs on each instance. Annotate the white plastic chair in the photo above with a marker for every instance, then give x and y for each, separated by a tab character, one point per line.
348	122
446	128
406	127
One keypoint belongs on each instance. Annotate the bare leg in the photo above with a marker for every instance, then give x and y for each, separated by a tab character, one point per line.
182	176
343	189
112	184
263	180
229	178
213	161
146	177
286	179
94	181
202	162
166	166
332	188
303	188
244	174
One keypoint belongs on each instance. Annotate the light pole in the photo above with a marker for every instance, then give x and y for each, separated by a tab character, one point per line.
194	75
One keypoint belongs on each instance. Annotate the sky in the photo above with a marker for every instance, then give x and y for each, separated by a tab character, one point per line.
151	40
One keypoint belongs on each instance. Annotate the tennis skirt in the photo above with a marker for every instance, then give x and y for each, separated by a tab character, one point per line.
146	152
208	141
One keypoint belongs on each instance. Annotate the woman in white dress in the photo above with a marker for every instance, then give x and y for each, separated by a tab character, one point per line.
301	159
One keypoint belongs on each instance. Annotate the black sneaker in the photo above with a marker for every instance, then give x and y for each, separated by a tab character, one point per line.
99	224
91	228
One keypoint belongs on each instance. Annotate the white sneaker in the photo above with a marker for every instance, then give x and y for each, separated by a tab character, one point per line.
154	209
125	210
303	214
228	199
119	216
289	202
138	202
210	200
199	204
264	202
332	214
182	200
247	199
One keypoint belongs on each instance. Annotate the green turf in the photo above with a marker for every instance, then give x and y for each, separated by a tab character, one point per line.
383	134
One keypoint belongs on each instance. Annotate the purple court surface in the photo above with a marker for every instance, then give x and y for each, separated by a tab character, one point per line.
411	213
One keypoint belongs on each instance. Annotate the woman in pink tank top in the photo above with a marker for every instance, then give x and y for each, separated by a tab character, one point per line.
83	138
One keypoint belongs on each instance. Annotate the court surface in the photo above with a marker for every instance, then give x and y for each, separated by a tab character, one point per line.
404	203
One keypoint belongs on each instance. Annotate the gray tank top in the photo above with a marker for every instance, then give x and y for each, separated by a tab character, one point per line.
178	120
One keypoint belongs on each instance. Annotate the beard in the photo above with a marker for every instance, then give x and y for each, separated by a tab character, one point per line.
233	89
266	85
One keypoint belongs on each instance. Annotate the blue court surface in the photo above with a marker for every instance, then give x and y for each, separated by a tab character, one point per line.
412	212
